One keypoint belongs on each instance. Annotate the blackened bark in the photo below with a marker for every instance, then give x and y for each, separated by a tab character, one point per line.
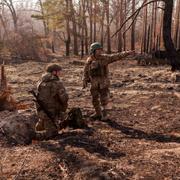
68	40
168	43
108	29
133	28
74	24
120	23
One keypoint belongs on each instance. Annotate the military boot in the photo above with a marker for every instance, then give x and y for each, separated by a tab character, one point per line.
97	115
104	114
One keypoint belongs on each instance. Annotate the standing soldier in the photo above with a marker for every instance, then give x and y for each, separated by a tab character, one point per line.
53	97
96	73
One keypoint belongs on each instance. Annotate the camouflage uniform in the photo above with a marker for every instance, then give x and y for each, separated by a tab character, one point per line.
96	73
52	94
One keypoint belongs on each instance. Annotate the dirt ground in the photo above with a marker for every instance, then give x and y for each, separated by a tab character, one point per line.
140	141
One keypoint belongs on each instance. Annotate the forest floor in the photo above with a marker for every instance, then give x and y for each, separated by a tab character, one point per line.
140	141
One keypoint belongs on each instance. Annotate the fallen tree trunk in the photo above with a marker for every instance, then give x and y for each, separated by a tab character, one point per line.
18	128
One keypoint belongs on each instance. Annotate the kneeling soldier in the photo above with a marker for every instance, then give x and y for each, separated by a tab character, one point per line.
96	73
53	97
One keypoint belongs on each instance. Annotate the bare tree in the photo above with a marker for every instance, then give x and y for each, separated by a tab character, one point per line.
167	23
95	19
45	23
120	4
10	5
108	28
177	21
73	15
133	27
68	40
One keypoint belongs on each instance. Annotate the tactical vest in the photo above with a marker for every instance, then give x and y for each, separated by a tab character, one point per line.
97	70
46	96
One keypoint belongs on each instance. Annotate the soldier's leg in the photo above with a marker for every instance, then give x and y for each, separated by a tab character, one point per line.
40	124
51	128
48	130
96	104
104	98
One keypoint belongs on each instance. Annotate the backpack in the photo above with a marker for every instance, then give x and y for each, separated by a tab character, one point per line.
75	118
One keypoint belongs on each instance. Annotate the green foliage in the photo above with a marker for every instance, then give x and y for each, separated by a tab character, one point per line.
53	13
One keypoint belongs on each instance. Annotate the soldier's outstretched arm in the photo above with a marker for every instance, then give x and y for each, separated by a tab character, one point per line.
110	58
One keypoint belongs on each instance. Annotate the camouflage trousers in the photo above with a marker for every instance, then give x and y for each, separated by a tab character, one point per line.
46	128
100	99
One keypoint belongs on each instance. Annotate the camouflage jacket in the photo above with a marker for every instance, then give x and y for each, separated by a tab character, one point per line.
52	93
96	69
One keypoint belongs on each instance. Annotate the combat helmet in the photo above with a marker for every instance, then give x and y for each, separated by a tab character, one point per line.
94	46
53	67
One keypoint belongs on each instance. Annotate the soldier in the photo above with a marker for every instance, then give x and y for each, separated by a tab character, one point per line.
52	94
96	73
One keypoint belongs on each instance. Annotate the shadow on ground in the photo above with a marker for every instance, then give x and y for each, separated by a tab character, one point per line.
139	134
83	139
82	155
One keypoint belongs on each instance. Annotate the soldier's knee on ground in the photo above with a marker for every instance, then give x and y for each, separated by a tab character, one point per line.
50	130
46	135
49	125
51	133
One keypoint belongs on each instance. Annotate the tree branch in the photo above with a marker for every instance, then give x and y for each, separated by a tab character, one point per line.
160	8
134	14
131	23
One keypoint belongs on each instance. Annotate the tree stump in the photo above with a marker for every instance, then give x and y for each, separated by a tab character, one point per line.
6	100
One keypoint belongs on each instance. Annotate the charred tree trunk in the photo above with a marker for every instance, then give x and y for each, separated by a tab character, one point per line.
120	23
68	40
155	26
95	20
161	30
168	43
90	4
102	25
152	28
108	28
75	49
124	17
86	28
82	8
177	17
133	27
148	39
144	38
178	46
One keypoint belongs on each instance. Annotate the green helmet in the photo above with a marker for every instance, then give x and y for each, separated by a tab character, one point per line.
94	46
53	67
